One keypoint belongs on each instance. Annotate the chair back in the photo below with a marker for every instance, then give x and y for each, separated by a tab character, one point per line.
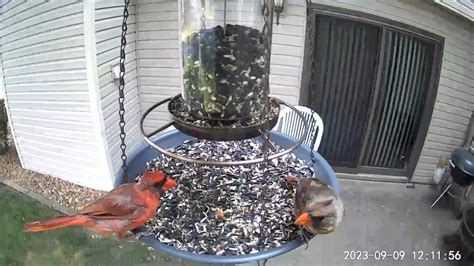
290	123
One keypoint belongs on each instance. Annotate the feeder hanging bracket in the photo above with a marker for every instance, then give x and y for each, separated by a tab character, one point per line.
217	163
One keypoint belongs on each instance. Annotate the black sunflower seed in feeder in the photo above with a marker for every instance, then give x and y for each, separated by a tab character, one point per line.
225	73
223	211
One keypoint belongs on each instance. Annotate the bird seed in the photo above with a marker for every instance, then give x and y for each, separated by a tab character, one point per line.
227	210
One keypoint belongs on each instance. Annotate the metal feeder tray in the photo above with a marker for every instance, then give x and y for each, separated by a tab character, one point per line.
144	154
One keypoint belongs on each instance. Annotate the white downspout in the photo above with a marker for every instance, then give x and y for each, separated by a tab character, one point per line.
106	170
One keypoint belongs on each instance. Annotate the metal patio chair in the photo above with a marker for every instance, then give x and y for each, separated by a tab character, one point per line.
290	124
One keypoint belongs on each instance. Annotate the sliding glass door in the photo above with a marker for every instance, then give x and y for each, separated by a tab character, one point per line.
373	85
346	59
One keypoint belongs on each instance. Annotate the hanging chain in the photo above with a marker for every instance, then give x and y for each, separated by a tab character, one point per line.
267	13
267	32
313	141
200	51
123	44
225	16
263	185
203	14
310	30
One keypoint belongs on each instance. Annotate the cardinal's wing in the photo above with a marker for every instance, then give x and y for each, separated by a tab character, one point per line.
121	202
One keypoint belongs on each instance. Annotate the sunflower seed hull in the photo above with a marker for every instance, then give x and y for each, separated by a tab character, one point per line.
227	211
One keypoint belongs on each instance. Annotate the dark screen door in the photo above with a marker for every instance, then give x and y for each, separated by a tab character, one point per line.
344	76
405	79
370	85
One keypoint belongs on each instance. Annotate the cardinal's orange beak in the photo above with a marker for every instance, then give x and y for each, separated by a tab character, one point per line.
169	184
304	219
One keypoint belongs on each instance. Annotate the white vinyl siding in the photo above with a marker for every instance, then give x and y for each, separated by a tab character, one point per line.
464	8
158	57
45	79
108	29
64	111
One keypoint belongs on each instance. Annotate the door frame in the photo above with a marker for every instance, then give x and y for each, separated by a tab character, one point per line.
384	24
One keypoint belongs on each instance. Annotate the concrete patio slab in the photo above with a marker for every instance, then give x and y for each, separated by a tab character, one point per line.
381	217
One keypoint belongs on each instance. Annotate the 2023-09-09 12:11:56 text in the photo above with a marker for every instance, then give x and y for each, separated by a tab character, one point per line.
400	255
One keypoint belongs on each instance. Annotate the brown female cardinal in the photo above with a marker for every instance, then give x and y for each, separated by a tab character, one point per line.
318	208
122	209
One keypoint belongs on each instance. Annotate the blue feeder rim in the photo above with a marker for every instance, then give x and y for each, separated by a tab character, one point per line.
137	165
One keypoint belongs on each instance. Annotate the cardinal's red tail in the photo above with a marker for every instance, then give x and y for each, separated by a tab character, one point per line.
75	220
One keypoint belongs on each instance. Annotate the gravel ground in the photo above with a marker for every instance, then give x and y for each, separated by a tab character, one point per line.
63	192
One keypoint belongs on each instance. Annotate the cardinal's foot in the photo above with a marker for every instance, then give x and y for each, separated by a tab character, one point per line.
305	236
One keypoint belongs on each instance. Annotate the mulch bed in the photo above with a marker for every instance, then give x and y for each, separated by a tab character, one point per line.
55	189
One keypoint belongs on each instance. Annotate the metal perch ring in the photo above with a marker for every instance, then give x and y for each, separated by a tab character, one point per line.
216	163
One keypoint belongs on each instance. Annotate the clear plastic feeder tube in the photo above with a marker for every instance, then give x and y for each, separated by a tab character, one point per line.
225	53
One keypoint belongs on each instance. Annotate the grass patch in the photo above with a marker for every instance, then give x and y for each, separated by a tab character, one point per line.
68	246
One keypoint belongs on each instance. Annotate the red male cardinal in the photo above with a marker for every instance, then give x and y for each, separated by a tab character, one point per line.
122	209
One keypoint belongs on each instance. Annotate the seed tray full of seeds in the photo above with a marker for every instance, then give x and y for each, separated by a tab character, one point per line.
227	210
